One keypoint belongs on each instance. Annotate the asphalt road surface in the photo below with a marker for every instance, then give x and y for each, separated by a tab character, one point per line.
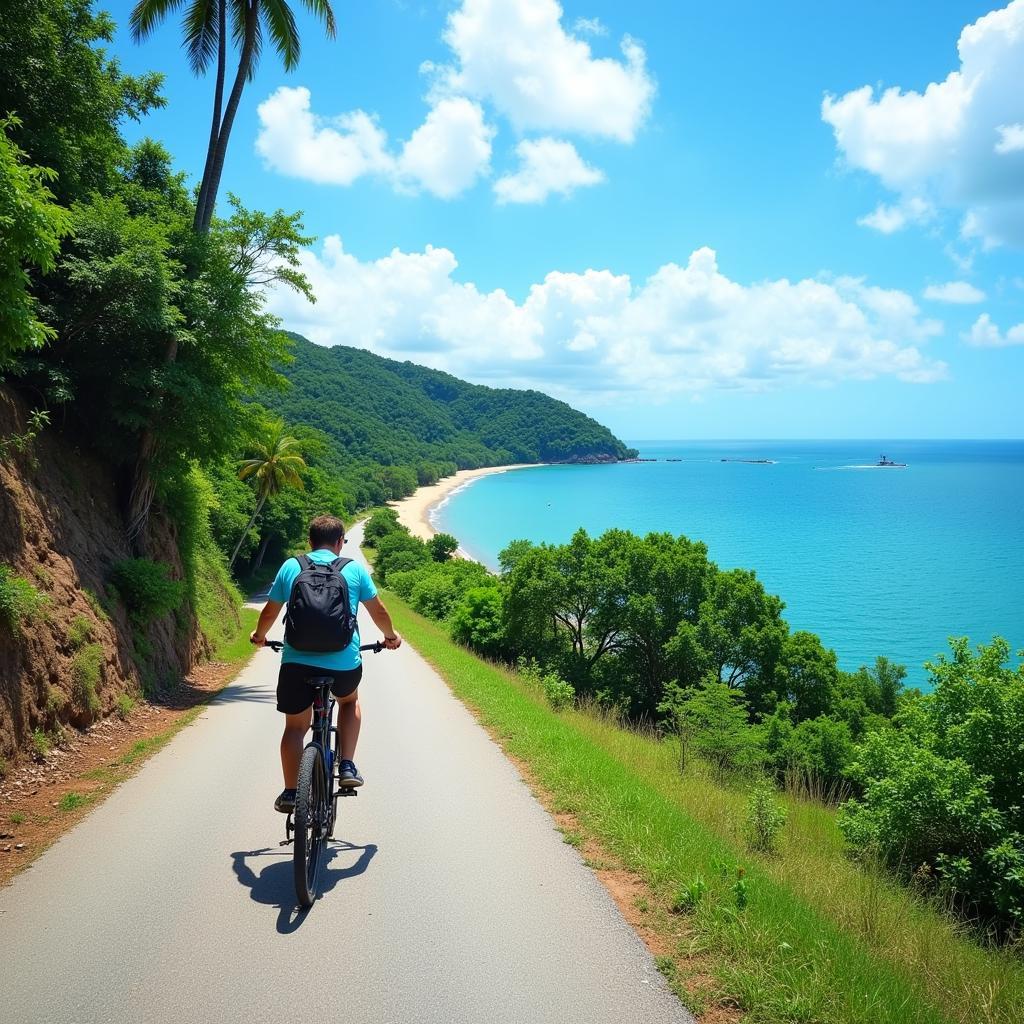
450	896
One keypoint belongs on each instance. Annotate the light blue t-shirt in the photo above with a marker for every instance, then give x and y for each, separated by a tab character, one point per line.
360	588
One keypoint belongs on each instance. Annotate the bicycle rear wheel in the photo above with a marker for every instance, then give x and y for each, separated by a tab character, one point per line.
310	824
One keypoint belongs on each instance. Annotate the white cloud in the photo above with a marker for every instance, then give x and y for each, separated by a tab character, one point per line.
960	141
545	165
961	292
590	27
450	150
891	218
686	329
444	156
515	55
985	334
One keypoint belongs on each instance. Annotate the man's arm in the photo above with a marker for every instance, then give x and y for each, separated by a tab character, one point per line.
382	620
267	618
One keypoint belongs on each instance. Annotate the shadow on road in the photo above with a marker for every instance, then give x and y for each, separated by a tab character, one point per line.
274	886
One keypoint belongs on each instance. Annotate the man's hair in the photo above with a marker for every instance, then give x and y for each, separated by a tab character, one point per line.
325	532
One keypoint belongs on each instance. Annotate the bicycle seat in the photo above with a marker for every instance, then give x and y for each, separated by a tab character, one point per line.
320	681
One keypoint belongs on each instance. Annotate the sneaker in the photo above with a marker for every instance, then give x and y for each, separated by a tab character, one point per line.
348	775
285	803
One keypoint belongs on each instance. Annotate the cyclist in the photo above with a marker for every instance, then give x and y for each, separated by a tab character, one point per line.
294	697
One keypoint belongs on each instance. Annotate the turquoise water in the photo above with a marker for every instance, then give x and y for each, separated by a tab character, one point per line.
876	561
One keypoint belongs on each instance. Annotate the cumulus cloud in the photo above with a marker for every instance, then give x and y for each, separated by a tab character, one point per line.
960	142
590	27
888	218
985	334
960	292
686	329
444	156
516	55
545	165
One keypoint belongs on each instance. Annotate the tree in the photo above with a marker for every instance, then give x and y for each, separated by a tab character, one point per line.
31	227
808	676
442	546
276	465
206	31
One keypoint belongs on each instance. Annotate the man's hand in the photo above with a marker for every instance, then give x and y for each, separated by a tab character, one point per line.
392	643
255	638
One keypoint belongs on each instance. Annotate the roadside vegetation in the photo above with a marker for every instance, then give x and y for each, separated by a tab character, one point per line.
786	923
650	633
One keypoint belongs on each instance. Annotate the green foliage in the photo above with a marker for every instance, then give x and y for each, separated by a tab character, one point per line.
146	589
125	705
766	817
384	521
688	897
943	793
86	671
442	546
97	606
40	743
38	420
72	801
714	718
477	621
80	631
559	693
20	601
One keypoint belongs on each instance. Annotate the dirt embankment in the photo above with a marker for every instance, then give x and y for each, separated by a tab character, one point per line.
61	532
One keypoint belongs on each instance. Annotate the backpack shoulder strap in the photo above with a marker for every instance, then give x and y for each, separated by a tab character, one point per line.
305	562
339	563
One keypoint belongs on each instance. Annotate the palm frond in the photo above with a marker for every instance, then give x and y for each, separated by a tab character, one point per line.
322	9
147	14
201	34
284	33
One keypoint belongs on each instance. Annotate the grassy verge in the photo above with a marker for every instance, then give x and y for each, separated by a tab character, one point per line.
804	935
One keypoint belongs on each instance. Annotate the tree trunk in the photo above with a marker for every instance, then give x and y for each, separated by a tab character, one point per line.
218	102
248	527
244	65
261	553
143	490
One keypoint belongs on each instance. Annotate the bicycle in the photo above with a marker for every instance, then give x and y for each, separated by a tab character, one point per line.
312	822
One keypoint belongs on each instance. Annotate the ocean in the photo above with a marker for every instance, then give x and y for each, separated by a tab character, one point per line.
875	561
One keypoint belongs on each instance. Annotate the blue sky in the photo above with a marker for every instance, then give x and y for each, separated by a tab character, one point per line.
647	210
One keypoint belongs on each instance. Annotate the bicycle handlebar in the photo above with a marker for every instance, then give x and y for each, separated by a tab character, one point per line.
277	645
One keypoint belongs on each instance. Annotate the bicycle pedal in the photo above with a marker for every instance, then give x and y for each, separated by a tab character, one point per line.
348	791
286	842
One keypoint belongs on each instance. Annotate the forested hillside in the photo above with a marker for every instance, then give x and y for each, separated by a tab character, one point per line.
393	413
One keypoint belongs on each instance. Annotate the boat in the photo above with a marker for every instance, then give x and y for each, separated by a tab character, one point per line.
887	463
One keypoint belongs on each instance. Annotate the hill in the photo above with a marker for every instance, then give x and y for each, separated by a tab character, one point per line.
397	413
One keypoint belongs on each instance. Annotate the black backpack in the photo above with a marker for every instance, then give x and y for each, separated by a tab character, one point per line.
319	616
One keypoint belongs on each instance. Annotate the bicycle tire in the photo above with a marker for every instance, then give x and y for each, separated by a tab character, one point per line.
310	821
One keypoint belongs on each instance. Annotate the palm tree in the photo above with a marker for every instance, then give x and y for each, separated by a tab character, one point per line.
205	28
275	465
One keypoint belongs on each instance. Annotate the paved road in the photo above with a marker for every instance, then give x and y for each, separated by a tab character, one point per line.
451	899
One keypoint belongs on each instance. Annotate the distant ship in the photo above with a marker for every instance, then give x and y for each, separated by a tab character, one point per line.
884	460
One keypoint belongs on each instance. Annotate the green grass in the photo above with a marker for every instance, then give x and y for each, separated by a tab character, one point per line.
40	743
20	601
801	935
238	647
85	677
17	818
80	631
72	801
99	609
125	705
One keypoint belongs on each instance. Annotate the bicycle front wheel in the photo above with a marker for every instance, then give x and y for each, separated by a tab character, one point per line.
310	824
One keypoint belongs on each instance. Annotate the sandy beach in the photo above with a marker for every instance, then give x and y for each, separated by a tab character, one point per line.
413	512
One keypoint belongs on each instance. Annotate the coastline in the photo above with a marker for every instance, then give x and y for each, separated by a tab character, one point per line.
414	511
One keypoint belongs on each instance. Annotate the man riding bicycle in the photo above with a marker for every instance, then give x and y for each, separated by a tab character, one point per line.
340	660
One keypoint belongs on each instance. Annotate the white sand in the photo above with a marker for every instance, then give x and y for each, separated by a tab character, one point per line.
413	512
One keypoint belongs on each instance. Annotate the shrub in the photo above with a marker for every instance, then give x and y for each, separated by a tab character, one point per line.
72	801
20	601
99	609
559	693
125	705
85	675
765	818
943	791
383	522
689	895
146	588
40	743
478	621
56	700
79	632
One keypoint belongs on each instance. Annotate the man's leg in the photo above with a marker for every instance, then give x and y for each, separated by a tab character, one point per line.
295	729
349	719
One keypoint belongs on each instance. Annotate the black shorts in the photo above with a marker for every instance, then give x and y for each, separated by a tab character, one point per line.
294	694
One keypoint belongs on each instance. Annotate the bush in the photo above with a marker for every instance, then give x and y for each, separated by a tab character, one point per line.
559	693
478	621
944	792
79	632
383	522
19	600
146	588
99	609
765	817
125	705
40	743
688	896
85	675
